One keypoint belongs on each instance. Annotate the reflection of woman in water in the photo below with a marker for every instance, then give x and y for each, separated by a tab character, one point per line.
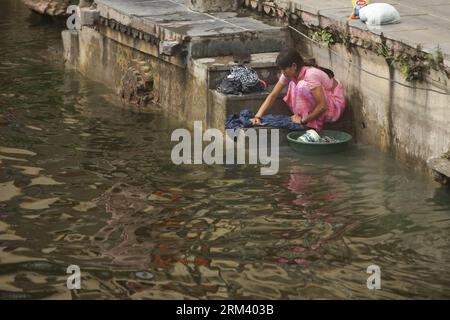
314	96
302	185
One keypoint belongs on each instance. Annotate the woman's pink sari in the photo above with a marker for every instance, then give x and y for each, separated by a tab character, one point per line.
300	100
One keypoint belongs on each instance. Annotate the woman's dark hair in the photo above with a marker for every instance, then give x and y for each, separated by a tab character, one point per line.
288	56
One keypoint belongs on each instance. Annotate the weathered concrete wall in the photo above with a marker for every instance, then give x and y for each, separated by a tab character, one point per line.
178	92
186	93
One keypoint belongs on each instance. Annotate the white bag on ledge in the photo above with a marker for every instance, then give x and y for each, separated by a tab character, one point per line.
378	14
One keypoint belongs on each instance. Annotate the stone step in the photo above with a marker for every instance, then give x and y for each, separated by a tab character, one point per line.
224	105
441	168
256	37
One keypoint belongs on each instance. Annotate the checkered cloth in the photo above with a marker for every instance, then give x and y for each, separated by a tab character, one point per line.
245	75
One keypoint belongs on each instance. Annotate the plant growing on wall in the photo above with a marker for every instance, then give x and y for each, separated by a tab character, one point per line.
383	50
436	59
325	36
412	65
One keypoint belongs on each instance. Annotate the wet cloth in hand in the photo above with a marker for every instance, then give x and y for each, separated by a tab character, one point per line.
242	120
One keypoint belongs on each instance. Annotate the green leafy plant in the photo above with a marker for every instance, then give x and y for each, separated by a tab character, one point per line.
405	71
325	36
436	59
413	70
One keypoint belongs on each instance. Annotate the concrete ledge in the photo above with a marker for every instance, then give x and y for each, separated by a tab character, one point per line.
202	34
243	42
145	46
421	27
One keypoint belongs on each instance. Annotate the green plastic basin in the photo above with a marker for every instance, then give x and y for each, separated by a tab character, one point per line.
343	143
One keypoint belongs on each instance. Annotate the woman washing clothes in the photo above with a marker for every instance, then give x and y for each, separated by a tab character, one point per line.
314	96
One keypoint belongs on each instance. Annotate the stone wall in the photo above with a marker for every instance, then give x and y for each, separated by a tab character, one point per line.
178	91
412	124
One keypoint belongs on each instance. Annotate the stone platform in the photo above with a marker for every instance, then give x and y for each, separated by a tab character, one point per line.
171	22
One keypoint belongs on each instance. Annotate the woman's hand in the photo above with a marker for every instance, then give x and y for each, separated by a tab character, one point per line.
270	99
255	120
296	119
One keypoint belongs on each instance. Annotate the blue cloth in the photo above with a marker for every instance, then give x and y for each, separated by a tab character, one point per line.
242	120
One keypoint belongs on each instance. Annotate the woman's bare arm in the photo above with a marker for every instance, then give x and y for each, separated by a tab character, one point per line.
267	104
321	105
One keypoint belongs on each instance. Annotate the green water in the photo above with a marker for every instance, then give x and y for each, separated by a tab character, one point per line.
85	182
